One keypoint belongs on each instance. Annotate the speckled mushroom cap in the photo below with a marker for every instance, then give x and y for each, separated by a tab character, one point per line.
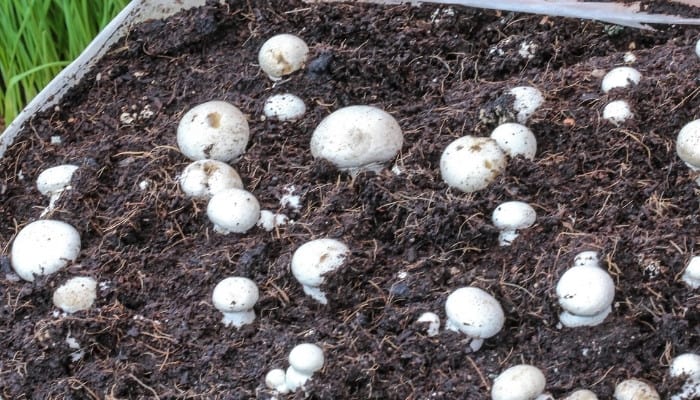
474	312
688	144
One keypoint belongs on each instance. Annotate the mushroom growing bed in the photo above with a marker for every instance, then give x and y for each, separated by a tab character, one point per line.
618	189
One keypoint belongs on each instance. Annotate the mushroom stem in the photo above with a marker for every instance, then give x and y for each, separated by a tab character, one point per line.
238	319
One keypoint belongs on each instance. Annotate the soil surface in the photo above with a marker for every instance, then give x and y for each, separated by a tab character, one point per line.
443	73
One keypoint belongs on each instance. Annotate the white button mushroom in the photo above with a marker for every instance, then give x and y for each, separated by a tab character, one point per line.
527	100
697	48
686	366
520	382
76	294
691	275
433	322
282	55
586	294
510	217
617	112
275	380
284	107
357	138
633	389
688	144
475	313
471	163
233	210
235	298
54	180
304	360
620	77
515	140
312	260
581	394
213	130
205	178
44	247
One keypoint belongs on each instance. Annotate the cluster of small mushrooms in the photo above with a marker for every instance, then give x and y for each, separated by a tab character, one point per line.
361	138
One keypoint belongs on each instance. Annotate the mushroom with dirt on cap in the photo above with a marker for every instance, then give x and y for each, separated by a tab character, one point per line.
475	313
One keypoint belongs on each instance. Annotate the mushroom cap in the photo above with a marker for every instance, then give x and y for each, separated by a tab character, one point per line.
585	290
275	380
685	365
76	294
317	257
214	130
519	382
515	140
474	312
55	179
235	294
688	144
233	210
527	100
284	107
306	358
513	215
617	112
205	178
634	389
357	137
470	163
582	394
433	322
44	247
282	55
691	275
620	77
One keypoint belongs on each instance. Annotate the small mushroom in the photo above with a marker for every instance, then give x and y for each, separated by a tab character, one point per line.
620	77
510	217
304	360
475	313
634	389
688	145
617	112
586	293
205	178
432	321
520	382
527	100
275	380
213	130
233	210
282	55
471	163
312	260
515	140
581	394
284	107
235	298
686	366
76	294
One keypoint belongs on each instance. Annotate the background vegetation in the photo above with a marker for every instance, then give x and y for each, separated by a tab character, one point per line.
40	37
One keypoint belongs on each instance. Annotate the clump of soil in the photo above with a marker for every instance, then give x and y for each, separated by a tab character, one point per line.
440	71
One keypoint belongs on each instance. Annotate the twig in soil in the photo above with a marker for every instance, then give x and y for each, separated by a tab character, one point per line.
484	382
150	389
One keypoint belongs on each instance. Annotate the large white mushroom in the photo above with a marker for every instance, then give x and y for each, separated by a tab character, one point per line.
471	163
205	178
43	247
235	297
282	55
357	138
586	293
213	130
312	260
475	313
520	382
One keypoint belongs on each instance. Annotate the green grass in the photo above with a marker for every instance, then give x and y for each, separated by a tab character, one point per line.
40	37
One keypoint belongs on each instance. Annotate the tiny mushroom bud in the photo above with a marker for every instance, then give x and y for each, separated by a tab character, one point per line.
284	107
511	216
304	360
55	179
76	294
617	112
213	130
357	138
581	394
233	210
205	178
527	100
471	163
633	389
312	260
515	140
686	366
620	77
691	276
282	55
433	323
585	293
474	312
275	380
44	247
520	382
688	144
235	298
